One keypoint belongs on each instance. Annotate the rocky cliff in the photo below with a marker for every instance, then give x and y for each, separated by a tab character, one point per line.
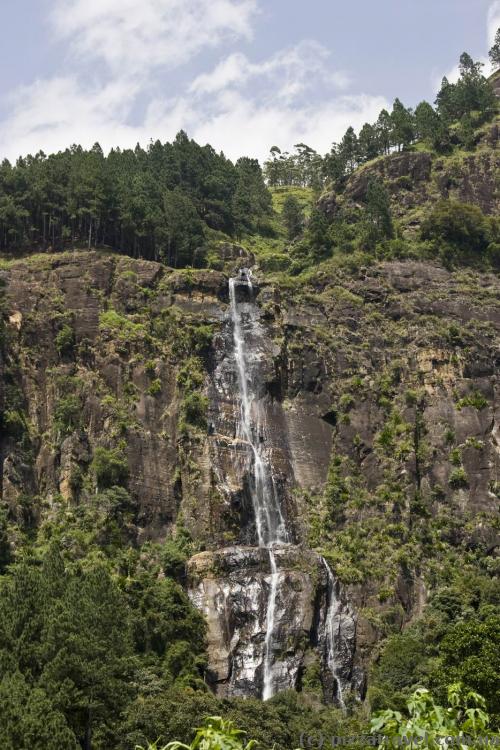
380	390
416	180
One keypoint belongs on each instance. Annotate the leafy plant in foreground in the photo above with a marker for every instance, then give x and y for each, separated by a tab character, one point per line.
217	734
465	717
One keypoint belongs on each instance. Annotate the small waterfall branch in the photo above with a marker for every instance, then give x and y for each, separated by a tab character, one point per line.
332	628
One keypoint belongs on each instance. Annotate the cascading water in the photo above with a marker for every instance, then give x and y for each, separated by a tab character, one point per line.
264	625
332	631
269	520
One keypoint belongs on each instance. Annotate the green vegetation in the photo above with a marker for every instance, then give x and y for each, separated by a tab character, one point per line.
459	231
469	102
216	734
495	51
109	467
100	646
464	717
157	203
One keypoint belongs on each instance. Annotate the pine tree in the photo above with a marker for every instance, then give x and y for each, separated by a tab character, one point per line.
494	52
378	225
445	100
369	145
348	150
384	127
293	216
426	121
403	125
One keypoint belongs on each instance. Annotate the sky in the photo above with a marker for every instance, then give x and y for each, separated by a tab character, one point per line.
243	75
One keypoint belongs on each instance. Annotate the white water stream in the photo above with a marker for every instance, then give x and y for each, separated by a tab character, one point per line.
269	520
332	628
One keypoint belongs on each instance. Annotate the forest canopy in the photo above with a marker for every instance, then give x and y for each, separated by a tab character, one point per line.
153	203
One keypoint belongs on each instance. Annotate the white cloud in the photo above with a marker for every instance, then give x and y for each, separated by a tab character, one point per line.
493	21
240	106
289	72
134	37
52	115
245	126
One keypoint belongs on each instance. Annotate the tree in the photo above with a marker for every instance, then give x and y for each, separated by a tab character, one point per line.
293	216
317	234
181	231
5	548
469	653
348	150
334	166
445	100
28	718
384	126
403	125
426	121
368	142
378	214
494	52
272	167
466	132
109	467
472	92
66	632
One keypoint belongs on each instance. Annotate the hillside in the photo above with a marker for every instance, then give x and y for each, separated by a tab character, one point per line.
250	439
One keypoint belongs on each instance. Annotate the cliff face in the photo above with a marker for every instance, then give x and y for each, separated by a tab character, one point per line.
418	179
381	402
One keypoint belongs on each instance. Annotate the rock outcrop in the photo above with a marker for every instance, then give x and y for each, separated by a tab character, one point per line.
231	586
416	180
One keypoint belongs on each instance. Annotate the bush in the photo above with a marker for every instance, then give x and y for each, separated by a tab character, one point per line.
109	467
476	400
68	414
457	228
155	387
458	478
65	340
194	407
14	423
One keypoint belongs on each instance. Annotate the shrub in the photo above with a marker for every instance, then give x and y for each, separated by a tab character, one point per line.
465	714
68	414
475	399
109	467
217	734
14	423
155	387
194	407
458	478
65	340
454	226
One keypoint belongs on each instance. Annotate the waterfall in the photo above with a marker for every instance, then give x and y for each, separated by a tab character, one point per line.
271	608
332	631
269	520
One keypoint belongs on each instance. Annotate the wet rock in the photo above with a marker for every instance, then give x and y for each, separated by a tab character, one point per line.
231	586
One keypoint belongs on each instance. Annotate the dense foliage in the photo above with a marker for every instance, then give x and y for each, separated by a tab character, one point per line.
79	643
156	203
432	724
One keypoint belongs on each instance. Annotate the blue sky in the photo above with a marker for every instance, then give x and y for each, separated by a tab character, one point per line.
241	74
